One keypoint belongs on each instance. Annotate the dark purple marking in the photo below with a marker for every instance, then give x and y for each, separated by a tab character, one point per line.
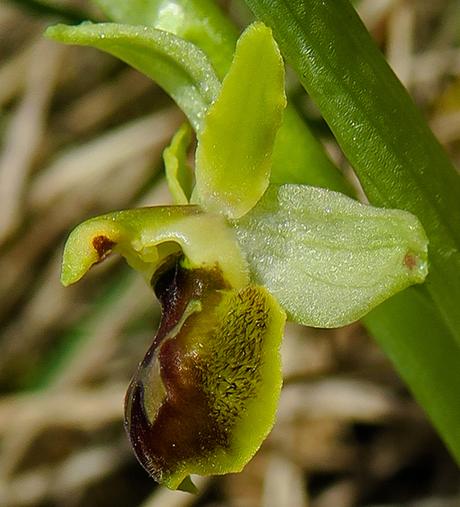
103	246
183	428
410	261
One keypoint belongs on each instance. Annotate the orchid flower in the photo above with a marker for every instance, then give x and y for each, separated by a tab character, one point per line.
233	258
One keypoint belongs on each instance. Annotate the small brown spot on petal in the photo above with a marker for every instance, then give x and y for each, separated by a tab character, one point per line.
410	261
103	246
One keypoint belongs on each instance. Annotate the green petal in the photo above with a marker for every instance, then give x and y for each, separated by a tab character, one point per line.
233	158
179	175
205	395
148	236
178	66
327	258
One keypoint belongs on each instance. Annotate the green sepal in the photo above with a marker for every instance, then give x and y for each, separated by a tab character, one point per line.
176	65
233	159
179	174
148	236
327	258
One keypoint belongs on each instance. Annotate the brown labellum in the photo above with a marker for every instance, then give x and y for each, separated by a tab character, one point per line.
187	405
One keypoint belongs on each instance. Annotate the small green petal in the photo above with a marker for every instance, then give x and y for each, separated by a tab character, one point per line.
179	175
205	396
233	159
327	258
178	66
148	236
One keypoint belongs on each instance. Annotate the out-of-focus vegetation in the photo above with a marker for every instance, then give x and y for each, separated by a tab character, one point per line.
82	134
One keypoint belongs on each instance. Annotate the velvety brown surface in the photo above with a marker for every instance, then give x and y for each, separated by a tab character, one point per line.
183	427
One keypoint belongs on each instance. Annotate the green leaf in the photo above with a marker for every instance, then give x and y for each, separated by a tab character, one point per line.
327	258
146	237
401	165
425	355
179	175
233	159
176	65
205	395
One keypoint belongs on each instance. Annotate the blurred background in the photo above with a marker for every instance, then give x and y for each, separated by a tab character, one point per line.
82	134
